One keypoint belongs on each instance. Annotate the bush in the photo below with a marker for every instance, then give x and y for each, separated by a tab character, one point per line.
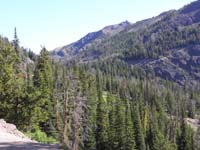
41	136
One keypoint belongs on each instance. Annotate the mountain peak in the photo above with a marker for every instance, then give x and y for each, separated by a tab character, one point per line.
125	23
112	29
81	44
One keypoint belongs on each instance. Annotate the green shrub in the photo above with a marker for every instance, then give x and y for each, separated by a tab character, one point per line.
41	136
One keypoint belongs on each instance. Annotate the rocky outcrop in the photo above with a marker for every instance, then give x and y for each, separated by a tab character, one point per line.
9	133
193	123
12	139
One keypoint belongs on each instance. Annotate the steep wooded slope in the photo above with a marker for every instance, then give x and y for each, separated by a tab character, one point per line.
169	44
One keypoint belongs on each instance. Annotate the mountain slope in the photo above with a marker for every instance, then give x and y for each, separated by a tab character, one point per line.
169	44
85	42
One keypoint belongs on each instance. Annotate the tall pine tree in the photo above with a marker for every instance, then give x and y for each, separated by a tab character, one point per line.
42	81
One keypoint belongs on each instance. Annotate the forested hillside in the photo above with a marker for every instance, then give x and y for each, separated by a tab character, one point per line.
168	44
98	106
130	90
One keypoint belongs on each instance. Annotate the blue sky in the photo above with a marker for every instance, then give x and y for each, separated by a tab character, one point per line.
54	23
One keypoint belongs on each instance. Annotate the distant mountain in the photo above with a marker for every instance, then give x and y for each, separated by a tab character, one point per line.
68	52
169	44
85	42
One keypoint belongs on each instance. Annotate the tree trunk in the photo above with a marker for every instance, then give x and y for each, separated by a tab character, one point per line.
65	136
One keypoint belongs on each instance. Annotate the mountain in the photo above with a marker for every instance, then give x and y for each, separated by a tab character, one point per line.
169	44
85	42
109	90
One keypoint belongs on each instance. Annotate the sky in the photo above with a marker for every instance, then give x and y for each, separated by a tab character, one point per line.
55	23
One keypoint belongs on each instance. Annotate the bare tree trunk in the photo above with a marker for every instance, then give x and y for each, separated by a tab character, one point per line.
75	145
57	116
57	108
75	141
74	125
65	136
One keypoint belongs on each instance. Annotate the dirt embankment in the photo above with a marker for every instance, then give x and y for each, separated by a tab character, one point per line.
13	139
9	133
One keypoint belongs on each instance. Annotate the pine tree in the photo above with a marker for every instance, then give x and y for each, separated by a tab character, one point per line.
156	136
12	84
139	137
129	129
7	79
42	81
185	138
119	125
90	115
28	97
160	142
111	100
19	84
102	118
16	42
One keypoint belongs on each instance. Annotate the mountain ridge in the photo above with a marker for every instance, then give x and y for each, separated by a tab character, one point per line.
168	43
75	47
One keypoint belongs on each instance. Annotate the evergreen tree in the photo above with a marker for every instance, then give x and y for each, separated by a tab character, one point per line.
139	137
7	79
111	117
119	125
42	81
16	42
90	113
28	97
129	129
185	138
160	142
19	84
102	118
12	84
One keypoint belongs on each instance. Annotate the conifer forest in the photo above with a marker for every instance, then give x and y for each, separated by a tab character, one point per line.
137	89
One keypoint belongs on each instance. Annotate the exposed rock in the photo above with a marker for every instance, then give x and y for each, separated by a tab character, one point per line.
193	123
13	139
9	133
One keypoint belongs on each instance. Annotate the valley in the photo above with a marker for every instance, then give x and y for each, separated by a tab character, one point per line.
127	86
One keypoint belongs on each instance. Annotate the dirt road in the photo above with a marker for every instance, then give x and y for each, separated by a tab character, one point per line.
27	146
13	139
